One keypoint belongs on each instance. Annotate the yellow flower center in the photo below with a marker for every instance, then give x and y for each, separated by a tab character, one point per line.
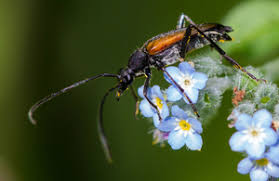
262	162
159	102
184	125
254	133
187	82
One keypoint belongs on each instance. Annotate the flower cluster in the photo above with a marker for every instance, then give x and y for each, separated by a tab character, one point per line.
255	115
256	137
177	128
257	129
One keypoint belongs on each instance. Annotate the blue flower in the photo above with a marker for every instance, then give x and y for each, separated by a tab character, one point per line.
260	169
188	79
273	153
156	96
254	134
182	130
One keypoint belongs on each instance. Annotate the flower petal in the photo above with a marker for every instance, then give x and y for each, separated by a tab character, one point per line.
255	149
245	166
238	141
195	124
167	124
165	111
140	91
244	121
262	118
270	136
156	92
199	80
146	109
193	94
176	139
156	121
178	113
173	94
186	68
194	141
258	175
273	154
174	73
273	170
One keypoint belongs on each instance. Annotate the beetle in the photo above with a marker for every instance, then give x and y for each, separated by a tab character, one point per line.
158	52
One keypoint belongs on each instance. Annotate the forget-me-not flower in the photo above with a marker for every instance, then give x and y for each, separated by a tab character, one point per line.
260	169
183	130
254	134
188	79
157	98
273	153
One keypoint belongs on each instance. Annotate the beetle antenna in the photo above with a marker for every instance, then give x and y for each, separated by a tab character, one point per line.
101	130
66	89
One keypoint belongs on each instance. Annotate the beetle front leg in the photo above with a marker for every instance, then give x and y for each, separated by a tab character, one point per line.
145	89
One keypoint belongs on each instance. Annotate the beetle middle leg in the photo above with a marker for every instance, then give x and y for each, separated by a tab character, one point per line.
217	48
185	41
145	89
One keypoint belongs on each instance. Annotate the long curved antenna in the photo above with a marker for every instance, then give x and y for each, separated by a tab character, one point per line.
101	129
66	89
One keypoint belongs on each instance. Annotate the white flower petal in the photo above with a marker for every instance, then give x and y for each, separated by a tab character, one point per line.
255	149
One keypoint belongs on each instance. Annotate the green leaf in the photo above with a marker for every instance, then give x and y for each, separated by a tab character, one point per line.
256	35
270	70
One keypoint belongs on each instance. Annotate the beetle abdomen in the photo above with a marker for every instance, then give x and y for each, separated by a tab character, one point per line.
160	44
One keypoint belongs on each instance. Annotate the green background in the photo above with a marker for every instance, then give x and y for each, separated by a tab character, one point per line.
48	44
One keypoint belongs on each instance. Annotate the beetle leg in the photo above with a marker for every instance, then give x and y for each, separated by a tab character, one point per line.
180	22
136	99
220	50
185	41
145	88
182	91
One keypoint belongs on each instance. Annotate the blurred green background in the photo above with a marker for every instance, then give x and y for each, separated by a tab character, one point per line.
48	44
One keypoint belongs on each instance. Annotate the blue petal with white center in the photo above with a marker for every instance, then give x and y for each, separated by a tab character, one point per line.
156	97
254	134
183	130
189	80
260	169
